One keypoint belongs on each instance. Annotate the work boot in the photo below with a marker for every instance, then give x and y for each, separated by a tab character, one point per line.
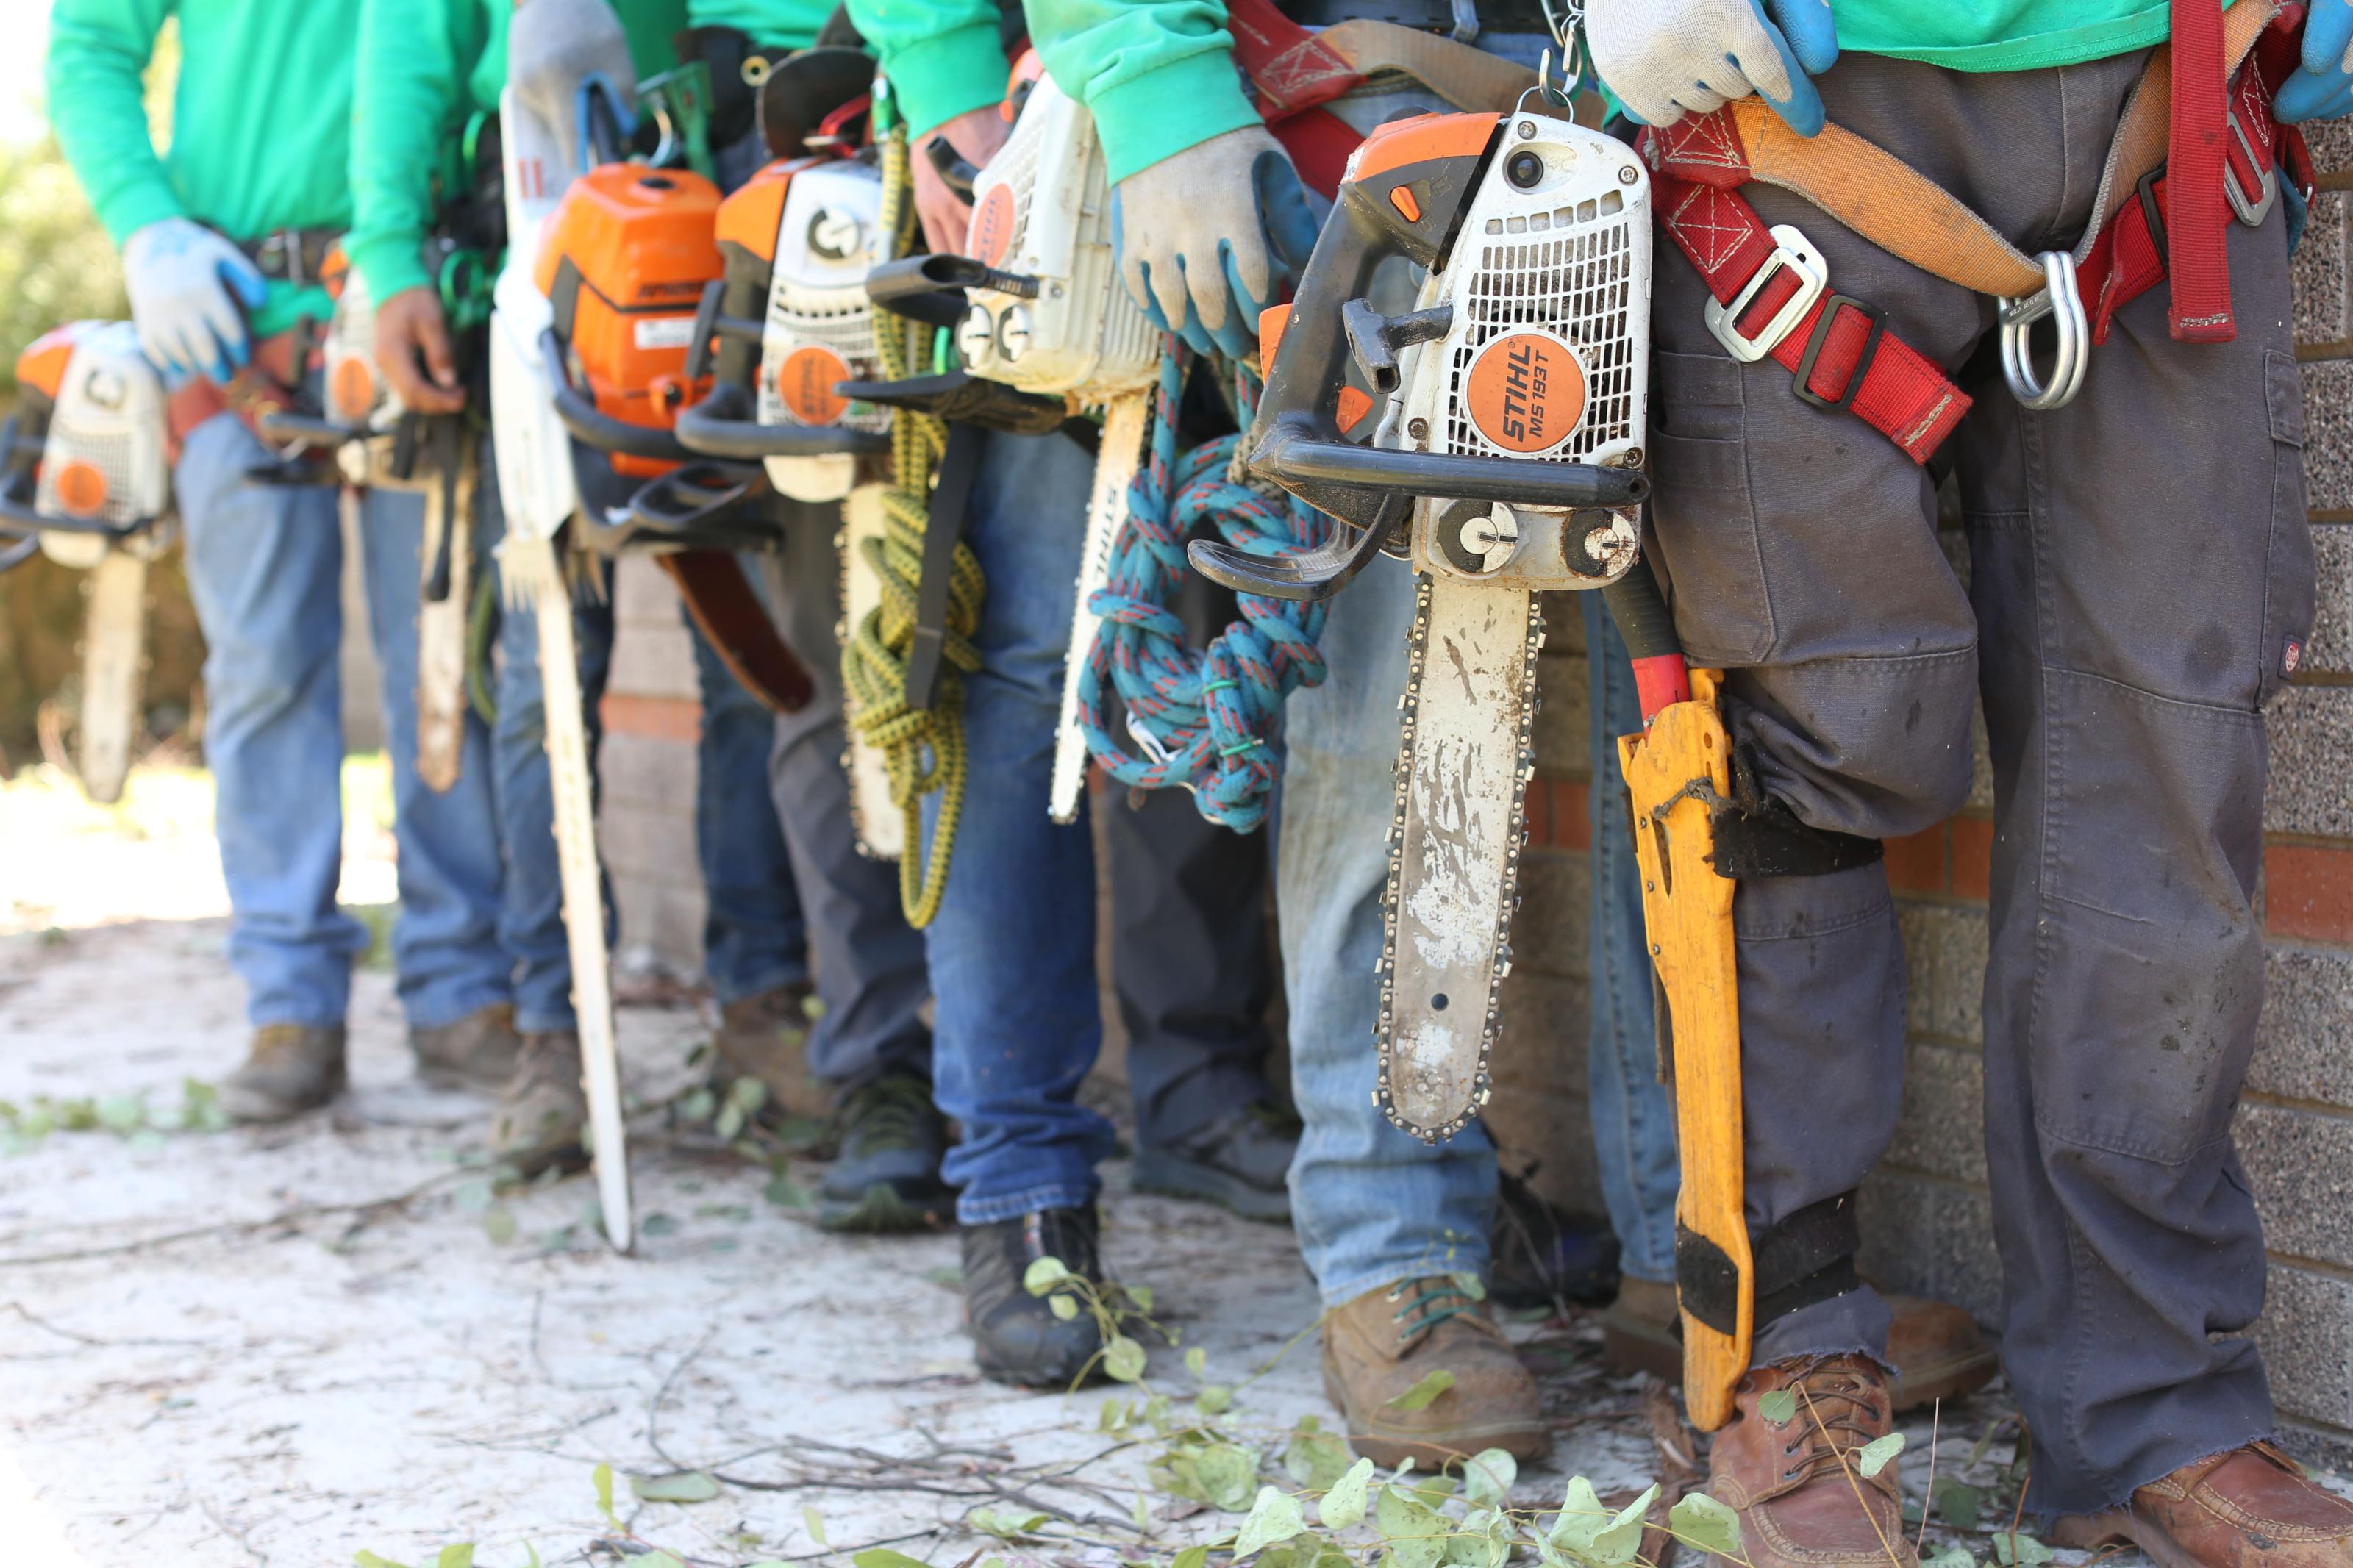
1015	1337
1539	1256
766	1037
543	1108
290	1069
1239	1161
1378	1346
886	1175
1938	1352
2251	1506
1802	1497
477	1051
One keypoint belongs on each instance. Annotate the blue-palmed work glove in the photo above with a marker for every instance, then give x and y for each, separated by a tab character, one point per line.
2322	88
1208	237
1667	59
189	291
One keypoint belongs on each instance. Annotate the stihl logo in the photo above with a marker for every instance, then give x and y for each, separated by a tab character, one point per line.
1525	392
805	384
992	227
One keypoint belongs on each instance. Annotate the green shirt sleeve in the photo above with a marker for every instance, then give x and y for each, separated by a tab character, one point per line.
1158	74
97	50
416	59
943	57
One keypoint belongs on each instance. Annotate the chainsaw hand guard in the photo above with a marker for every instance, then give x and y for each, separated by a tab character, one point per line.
959	396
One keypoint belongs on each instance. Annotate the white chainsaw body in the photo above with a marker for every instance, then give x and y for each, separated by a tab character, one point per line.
534	451
820	325
104	459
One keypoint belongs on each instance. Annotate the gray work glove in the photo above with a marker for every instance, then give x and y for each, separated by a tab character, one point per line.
1667	59
555	47
187	286
1206	236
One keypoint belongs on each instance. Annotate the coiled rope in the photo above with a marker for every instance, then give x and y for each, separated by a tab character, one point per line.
922	749
1208	720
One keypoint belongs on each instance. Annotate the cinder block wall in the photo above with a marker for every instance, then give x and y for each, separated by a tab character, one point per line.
645	813
1925	1214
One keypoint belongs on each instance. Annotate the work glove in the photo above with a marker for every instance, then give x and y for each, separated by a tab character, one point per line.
1209	235
1667	59
189	290
2323	88
554	46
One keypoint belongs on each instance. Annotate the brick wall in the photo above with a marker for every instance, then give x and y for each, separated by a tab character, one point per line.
645	818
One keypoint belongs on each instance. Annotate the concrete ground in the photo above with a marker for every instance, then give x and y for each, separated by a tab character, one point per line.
304	1344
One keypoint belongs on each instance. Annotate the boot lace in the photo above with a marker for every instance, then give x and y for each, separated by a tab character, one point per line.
1833	1398
1423	1304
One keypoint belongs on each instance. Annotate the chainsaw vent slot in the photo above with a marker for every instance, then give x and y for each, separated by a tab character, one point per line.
838	318
1580	284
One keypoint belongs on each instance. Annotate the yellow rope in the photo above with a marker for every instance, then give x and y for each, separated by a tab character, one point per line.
922	749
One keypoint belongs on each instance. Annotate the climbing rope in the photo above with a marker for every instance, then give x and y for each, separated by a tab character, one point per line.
922	749
1208	720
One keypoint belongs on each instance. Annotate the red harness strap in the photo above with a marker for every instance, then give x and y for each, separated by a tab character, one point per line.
2196	252
1292	74
1841	351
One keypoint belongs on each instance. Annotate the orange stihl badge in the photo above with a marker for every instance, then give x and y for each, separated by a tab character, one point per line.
992	227
1527	392
805	382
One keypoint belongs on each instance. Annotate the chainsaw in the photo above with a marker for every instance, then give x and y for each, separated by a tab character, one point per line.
86	479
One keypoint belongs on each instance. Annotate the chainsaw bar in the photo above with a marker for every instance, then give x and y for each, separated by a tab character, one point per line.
1116	461
874	818
1464	759
441	703
113	663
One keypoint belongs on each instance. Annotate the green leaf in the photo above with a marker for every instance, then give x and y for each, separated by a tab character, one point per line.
656	1223
367	1559
1043	1275
1123	1359
2018	1550
1873	1456
1416	1533
1957	1502
459	1556
816	1523
1591	1534
1141	1295
1469	1284
787	1193
1214	1400
1344	1502
1316	1460
1112	1417
121	1112
678	1486
1779	1407
880	1557
1005	1524
1483	1541
601	1478
1196	1361
1698	1520
657	1559
729	1122
1191	1557
698	1106
498	1225
1419	1396
1142	1514
1227	1472
1064	1306
1954	1556
1487	1476
1274	1516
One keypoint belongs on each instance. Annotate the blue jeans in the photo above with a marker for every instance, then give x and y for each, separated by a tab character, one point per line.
265	565
1633	1116
1012	949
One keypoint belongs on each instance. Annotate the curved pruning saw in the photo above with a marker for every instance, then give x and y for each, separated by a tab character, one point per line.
1505	460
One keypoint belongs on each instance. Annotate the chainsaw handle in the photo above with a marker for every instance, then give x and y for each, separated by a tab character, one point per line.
955	170
19	518
931	289
713	321
306	429
1662	678
722	425
1306	578
1300	462
592	427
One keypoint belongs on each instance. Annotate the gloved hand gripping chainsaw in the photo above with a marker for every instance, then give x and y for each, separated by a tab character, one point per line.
1506	459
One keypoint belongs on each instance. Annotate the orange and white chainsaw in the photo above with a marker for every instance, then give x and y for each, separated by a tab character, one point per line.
86	479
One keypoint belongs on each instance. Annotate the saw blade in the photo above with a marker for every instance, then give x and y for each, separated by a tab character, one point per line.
582	890
879	828
441	704
113	667
1464	759
1121	454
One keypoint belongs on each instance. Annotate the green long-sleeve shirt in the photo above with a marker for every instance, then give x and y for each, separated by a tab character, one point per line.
1158	74
260	118
786	24
943	57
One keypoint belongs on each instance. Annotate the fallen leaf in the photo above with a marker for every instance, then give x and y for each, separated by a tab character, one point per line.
1700	1520
678	1486
1419	1396
1344	1504
1274	1516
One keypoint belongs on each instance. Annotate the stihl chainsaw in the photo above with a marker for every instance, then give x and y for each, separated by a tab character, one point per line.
86	479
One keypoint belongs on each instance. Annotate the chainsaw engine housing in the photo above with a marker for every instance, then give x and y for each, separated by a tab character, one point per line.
103	457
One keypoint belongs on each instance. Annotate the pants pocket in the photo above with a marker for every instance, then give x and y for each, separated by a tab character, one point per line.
1703	515
2288	578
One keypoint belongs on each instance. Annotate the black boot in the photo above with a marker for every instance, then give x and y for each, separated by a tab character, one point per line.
1015	1337
1239	1161
886	1175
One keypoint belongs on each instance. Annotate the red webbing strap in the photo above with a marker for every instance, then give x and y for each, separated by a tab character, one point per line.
2198	254
1904	395
1292	74
1319	142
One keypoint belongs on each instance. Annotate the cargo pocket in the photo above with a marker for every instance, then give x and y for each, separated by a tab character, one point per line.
2288	576
1702	513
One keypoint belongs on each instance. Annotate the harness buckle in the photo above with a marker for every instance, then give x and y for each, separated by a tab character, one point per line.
2152	215
1844	402
2060	299
2251	212
1793	253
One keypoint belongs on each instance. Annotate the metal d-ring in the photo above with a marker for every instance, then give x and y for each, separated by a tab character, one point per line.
2059	299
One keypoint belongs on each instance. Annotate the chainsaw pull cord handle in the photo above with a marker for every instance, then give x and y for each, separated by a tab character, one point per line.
954	170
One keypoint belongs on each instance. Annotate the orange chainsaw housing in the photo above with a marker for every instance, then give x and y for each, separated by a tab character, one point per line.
41	367
624	262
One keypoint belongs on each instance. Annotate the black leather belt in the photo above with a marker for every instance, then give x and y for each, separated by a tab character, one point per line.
294	255
1428	16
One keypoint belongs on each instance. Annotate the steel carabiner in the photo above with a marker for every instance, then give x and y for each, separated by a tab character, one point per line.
2059	299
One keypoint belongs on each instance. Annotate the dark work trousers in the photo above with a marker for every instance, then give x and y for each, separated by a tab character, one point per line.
870	969
1189	960
2140	567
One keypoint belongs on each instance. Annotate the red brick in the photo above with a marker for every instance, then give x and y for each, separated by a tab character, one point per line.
1572	814
662	718
1916	864
2308	891
1972	856
1539	810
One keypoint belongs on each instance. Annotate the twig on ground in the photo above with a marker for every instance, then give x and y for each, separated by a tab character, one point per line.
286	1217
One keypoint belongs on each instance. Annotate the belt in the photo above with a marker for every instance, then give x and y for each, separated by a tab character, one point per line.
738	67
292	254
1465	19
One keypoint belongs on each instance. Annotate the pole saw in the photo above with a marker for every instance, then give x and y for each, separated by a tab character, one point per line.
1505	460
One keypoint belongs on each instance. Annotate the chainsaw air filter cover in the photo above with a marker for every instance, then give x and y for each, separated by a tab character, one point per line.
820	325
1042	210
104	460
623	265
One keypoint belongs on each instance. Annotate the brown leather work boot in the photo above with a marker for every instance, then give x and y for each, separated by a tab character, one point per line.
1803	1502
1936	1352
766	1037
477	1051
1378	1346
290	1069
543	1108
2246	1508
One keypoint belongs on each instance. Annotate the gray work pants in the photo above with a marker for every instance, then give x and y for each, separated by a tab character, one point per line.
2139	565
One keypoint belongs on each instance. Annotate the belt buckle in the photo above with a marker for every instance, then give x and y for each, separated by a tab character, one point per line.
1792	252
2251	212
